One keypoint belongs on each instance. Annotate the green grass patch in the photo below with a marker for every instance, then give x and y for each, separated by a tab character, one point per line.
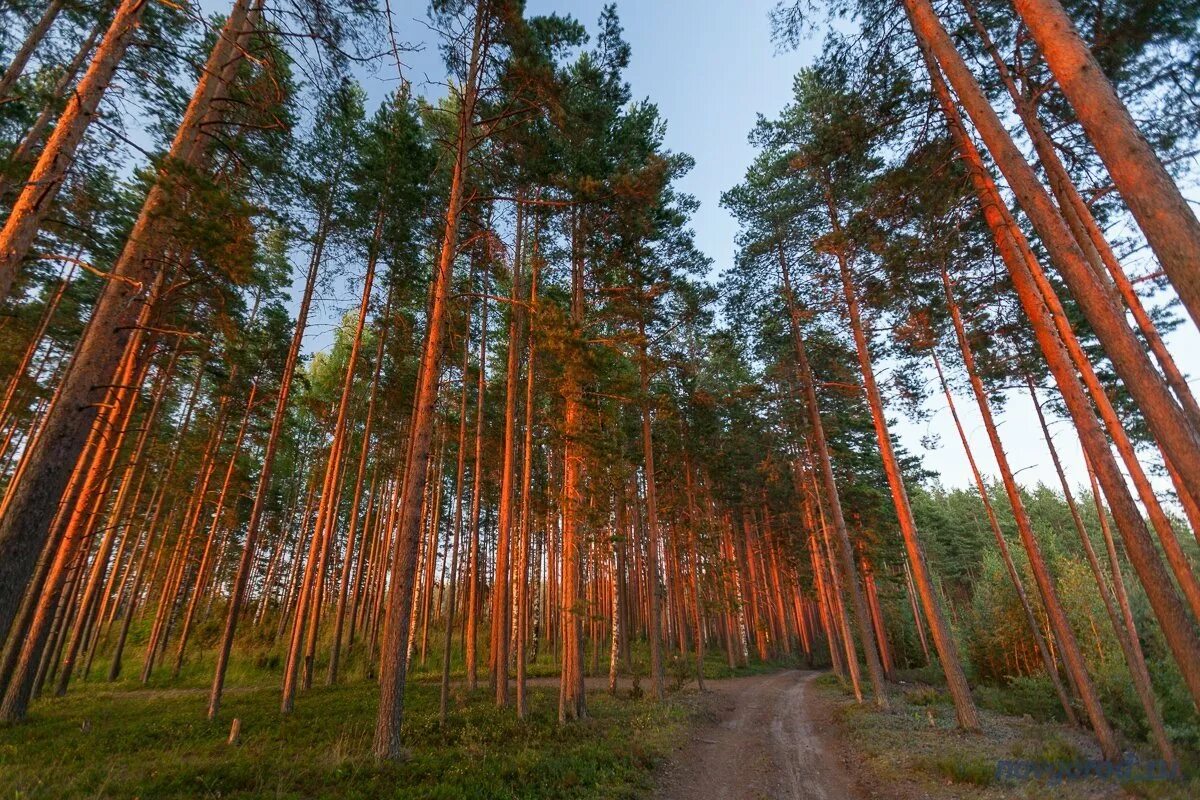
99	742
959	767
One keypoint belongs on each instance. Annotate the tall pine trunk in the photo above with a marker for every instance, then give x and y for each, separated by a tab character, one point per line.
36	199
387	742
1159	207
30	506
943	639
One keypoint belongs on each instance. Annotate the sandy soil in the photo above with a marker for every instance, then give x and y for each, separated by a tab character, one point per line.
763	740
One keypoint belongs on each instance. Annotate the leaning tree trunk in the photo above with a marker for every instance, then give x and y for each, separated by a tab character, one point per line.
1068	647
943	639
33	136
34	202
1126	634
1172	616
1164	215
1171	426
394	668
844	552
1035	630
25	524
20	58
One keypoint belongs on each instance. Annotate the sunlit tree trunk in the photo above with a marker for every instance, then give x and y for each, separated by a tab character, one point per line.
33	137
993	522
34	203
1160	209
208	553
76	520
502	597
20	58
394	668
1125	631
844	551
1177	628
943	639
572	702
1164	416
30	506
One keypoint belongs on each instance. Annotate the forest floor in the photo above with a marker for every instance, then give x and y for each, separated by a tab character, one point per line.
798	735
762	733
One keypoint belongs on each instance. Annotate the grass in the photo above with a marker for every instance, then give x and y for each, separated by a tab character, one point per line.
127	740
914	749
155	743
959	767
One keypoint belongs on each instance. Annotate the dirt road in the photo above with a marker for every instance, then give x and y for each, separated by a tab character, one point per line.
762	743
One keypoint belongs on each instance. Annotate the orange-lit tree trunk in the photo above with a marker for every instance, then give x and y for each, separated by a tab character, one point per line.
943	639
1125	632
68	547
1078	216
1009	242
474	567
456	534
394	668
844	551
356	494
100	562
237	591
502	597
1161	211
1014	576
29	509
33	136
208	554
572	702
34	203
20	58
1171	426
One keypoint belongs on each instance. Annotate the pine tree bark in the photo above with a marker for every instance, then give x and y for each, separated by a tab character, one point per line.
34	203
21	57
652	526
456	534
572	703
1123	627
33	137
24	526
1014	250
1160	209
208	552
525	522
1164	416
1014	576
943	639
844	551
474	567
394	668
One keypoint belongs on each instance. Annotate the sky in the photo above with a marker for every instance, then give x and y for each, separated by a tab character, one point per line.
711	68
